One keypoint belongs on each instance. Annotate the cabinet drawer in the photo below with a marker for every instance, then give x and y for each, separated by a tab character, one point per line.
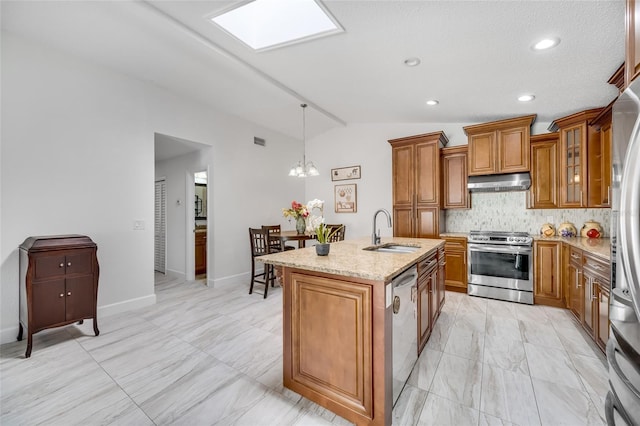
78	262
49	266
427	265
575	257
597	267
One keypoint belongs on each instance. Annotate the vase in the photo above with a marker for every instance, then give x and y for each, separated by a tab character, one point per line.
322	249
301	225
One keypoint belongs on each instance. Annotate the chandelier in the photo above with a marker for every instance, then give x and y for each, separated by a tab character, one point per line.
304	168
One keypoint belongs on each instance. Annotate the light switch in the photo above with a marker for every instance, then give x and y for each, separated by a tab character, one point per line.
138	225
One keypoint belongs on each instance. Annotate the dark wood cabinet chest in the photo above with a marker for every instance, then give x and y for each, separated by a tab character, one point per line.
58	283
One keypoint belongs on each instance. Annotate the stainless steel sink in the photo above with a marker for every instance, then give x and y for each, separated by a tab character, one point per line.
392	248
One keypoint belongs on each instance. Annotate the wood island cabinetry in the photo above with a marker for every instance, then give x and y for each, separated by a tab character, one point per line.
58	283
454	178
417	203
499	146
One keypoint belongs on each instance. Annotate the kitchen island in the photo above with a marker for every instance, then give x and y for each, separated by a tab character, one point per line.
337	322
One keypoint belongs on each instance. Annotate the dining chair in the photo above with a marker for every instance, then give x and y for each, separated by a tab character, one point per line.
339	234
275	244
260	245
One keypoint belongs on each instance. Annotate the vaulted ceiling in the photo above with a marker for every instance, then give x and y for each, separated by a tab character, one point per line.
476	57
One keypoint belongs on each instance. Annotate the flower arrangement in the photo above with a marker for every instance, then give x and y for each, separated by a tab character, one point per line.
324	233
296	211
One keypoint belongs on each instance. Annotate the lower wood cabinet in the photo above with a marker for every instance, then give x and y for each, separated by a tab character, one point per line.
575	284
547	289
455	271
602	306
58	283
424	311
201	253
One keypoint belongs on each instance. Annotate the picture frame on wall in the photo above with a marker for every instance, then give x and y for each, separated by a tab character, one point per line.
345	173
346	198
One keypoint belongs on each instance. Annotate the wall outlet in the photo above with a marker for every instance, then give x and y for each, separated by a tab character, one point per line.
138	225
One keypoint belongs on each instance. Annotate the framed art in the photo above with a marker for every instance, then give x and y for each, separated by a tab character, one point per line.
346	198
345	173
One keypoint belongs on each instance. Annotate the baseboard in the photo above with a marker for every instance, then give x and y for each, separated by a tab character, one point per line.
244	277
127	305
9	335
180	275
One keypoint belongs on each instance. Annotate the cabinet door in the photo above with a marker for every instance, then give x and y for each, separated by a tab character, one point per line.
435	296
403	222
513	150
454	174
201	253
589	317
548	285
572	170
632	41
79	297
602	294
544	176
424	311
441	285
605	138
428	219
576	292
482	154
403	175
428	173
48	303
456	267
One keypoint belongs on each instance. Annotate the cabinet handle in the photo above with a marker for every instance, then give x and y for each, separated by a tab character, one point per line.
62	265
578	285
575	256
61	295
68	263
598	267
593	296
68	293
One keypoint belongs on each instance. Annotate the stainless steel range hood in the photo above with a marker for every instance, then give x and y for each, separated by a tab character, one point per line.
500	183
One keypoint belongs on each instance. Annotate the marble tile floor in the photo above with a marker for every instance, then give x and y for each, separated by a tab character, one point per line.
204	356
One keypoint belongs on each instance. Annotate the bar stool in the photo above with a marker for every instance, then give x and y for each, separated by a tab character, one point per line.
260	246
275	244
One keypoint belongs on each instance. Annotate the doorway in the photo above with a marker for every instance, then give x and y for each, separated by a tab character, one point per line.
200	224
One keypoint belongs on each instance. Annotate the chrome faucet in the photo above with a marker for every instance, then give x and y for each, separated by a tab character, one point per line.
375	237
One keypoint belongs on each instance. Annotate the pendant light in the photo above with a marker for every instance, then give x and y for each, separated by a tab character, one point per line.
304	169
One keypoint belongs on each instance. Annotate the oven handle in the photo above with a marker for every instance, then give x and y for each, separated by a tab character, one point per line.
501	249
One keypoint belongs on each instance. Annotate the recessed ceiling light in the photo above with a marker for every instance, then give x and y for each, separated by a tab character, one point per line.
546	43
526	98
263	24
412	62
432	102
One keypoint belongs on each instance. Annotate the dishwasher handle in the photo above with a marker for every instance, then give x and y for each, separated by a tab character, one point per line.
406	278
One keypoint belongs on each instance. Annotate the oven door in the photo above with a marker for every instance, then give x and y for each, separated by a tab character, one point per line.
501	266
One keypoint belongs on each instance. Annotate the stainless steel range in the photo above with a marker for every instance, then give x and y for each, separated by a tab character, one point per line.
501	265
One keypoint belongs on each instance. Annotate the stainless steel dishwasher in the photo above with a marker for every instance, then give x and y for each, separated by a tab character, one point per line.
405	328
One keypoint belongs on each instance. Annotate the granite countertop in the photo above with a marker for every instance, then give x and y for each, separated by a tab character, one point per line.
600	247
347	258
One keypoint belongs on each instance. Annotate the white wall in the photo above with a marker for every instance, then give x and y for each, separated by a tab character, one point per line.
78	157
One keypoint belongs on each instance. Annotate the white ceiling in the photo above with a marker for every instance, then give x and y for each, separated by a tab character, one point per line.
476	58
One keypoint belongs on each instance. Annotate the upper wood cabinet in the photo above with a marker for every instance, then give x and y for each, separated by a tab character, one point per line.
576	137
454	178
632	41
600	160
499	146
543	193
417	200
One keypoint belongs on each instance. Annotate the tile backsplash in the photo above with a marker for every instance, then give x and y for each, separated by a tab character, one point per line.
506	211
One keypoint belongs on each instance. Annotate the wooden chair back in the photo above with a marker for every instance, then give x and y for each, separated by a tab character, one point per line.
274	244
339	234
259	242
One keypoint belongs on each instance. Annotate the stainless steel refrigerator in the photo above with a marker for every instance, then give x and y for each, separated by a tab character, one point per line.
623	347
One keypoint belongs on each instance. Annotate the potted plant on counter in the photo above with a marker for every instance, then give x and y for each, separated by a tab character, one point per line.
323	235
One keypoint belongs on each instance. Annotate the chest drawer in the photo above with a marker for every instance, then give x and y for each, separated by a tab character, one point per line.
60	263
599	268
575	256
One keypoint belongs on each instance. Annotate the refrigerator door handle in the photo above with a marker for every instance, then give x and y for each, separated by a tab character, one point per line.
630	216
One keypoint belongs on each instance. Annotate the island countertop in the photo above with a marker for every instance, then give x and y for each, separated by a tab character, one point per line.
347	258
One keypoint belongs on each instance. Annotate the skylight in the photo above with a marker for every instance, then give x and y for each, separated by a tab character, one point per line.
264	24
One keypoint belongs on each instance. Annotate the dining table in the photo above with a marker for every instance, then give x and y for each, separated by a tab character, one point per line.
284	236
